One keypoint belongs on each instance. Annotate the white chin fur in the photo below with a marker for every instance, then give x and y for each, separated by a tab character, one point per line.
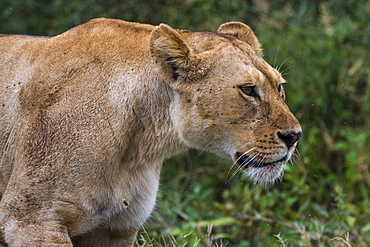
266	175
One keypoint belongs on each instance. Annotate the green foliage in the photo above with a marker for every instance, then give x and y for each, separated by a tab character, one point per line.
322	48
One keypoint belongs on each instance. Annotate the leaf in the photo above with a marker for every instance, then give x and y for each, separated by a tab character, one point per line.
366	228
224	221
321	210
351	221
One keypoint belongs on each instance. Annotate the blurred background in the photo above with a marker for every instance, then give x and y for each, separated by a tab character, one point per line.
323	50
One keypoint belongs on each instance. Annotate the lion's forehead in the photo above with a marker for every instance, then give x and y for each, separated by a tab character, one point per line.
250	66
248	73
267	73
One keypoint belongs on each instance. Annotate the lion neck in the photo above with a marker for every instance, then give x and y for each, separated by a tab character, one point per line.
151	134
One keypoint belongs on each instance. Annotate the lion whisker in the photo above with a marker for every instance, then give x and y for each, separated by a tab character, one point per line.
202	151
295	157
281	65
282	72
246	144
232	166
262	159
201	132
244	164
276	54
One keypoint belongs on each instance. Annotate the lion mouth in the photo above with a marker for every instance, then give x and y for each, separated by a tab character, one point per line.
245	161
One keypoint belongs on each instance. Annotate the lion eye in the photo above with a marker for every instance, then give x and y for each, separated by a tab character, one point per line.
281	91
248	90
280	87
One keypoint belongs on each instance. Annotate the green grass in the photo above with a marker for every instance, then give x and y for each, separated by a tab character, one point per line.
240	214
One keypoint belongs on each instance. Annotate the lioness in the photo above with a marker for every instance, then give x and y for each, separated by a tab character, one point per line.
87	118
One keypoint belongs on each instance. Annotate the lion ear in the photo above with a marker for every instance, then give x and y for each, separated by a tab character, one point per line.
242	32
168	47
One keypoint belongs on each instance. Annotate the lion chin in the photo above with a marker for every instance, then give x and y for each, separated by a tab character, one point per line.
261	173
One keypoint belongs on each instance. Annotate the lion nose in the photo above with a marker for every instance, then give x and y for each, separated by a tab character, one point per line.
290	137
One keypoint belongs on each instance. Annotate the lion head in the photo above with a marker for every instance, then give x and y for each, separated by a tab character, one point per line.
228	99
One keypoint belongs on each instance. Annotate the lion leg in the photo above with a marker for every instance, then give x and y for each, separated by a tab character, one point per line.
41	234
25	222
105	238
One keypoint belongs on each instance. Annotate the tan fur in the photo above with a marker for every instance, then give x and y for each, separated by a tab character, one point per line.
87	118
